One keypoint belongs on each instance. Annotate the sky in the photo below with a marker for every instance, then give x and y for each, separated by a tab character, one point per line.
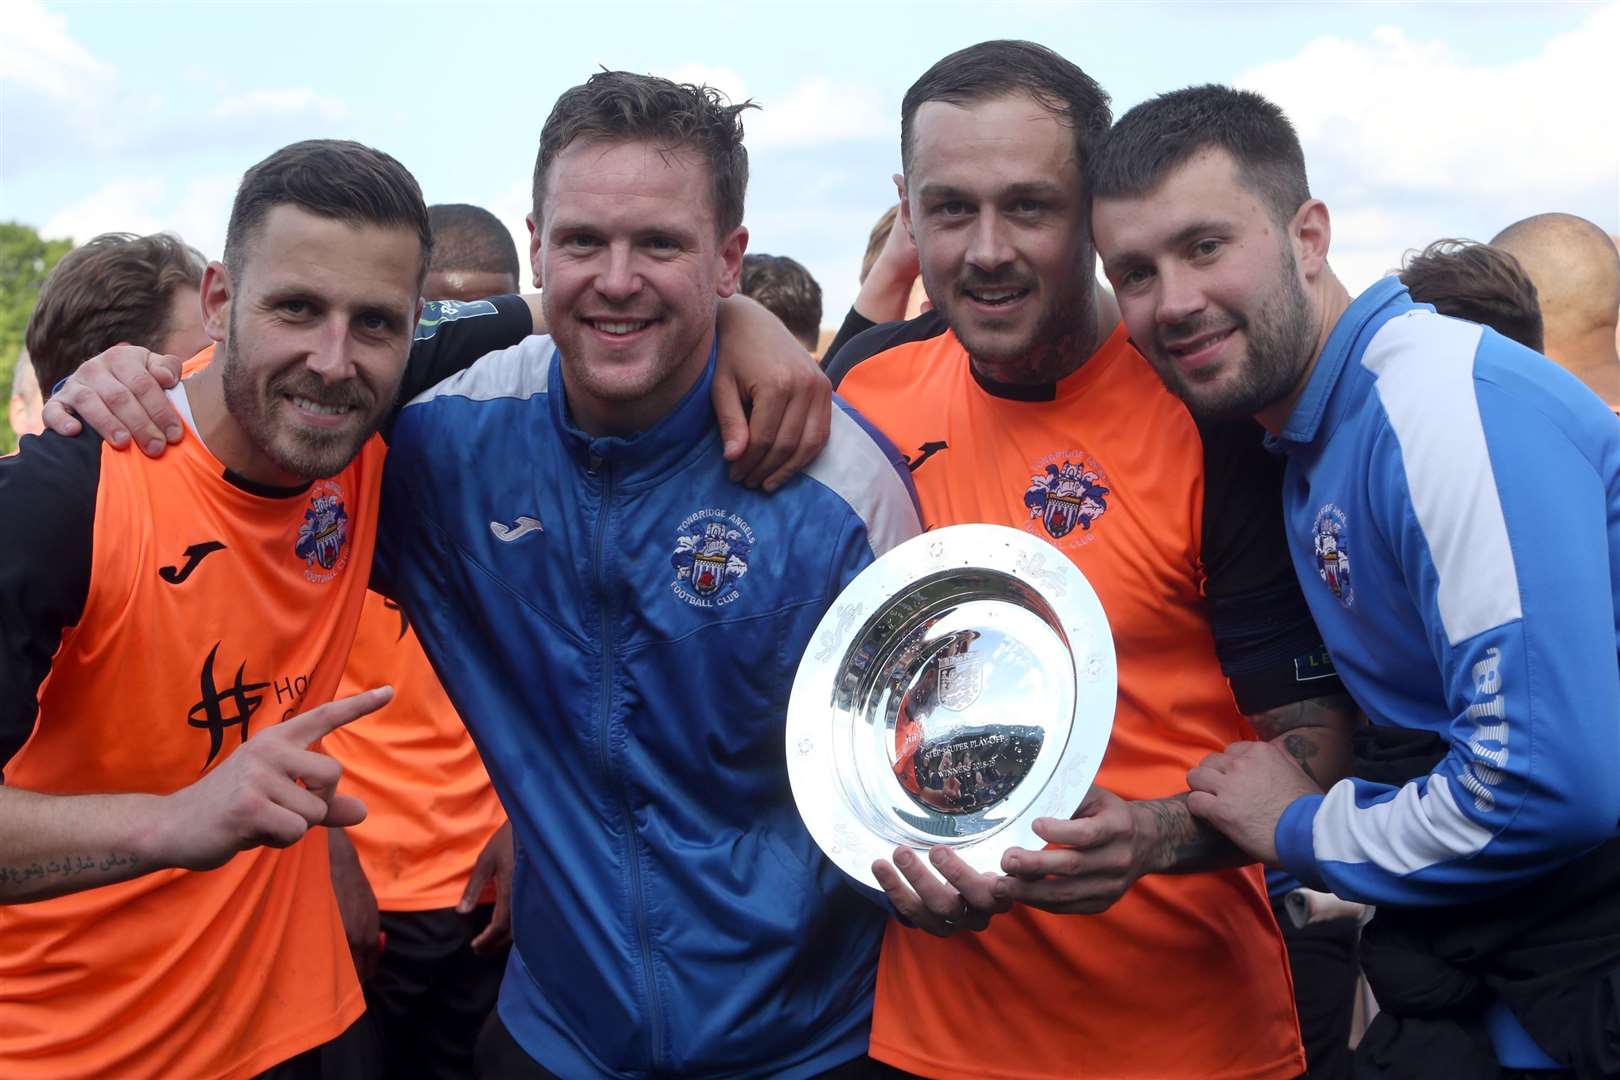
1418	120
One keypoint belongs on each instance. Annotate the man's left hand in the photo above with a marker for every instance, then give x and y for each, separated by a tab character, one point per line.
1097	855
773	403
1243	792
960	898
494	865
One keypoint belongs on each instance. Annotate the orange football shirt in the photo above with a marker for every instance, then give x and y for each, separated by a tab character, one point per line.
1186	976
430	805
214	610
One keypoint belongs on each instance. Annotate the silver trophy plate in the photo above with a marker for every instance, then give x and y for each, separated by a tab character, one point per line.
959	688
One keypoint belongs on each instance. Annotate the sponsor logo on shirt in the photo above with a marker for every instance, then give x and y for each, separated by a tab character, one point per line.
712	547
225	705
323	538
438	312
1330	539
1067	496
924	452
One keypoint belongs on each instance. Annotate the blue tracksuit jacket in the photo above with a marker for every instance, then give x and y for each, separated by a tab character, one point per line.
619	625
1453	509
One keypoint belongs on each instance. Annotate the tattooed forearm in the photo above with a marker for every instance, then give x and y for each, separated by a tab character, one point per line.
1315	733
1184	844
31	879
1332	711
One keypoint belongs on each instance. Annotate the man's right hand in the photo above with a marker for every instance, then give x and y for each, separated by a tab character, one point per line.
268	793
118	393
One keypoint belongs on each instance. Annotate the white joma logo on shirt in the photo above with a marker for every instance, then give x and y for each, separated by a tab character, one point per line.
520	528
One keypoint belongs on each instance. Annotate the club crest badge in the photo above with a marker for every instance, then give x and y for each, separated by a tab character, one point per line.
1330	538
1068	492
712	548
323	538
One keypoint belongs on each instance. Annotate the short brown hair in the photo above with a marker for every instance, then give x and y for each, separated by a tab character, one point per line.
114	289
625	107
787	290
330	178
1477	282
997	69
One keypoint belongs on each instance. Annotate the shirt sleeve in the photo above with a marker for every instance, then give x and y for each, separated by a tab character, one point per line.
854	323
1501	526
452	334
1267	642
48	502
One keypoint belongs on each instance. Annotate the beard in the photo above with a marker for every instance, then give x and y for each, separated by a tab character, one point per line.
309	453
1280	338
1063	335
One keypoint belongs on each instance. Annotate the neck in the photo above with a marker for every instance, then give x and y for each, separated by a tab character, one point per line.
600	417
1591	358
1329	300
224	437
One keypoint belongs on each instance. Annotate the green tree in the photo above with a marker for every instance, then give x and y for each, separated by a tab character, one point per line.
25	259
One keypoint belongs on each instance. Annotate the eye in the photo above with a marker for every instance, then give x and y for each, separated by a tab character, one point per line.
663	245
1028	206
1134	277
373	323
293	306
951	208
581	242
1207	248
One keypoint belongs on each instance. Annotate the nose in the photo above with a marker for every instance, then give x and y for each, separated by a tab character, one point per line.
331	354
618	280
1180	296
988	247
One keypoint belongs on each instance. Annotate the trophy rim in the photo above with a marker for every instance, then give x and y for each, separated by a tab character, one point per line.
821	790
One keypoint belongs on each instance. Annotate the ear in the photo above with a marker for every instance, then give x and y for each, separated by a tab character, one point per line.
731	258
1311	232
905	205
534	248
217	290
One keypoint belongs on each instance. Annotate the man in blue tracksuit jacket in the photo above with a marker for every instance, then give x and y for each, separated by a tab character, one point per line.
620	623
1452	501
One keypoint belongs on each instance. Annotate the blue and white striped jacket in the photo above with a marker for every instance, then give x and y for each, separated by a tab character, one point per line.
619	624
1453	510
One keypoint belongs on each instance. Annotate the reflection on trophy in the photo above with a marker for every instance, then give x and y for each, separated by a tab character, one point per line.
962	686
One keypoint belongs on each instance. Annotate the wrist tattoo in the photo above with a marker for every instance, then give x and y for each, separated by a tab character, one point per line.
1186	844
1302	748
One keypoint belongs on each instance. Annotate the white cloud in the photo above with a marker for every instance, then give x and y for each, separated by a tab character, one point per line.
813	112
38	54
1409	141
197	210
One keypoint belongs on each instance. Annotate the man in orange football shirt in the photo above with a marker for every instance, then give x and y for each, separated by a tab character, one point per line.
1138	945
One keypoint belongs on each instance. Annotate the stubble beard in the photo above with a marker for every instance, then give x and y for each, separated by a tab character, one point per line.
303	452
1280	342
1064	336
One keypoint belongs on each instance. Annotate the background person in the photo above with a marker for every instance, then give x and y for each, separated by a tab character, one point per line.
1576	271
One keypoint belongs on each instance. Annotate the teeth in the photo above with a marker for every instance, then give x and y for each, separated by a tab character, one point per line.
992	296
317	407
619	327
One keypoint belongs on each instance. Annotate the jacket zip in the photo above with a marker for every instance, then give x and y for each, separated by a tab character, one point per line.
655	1021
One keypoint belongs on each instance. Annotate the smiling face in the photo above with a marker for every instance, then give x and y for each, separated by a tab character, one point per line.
633	272
1210	286
993	199
315	333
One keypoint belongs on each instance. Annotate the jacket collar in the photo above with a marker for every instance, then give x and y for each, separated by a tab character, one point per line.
1319	408
646	454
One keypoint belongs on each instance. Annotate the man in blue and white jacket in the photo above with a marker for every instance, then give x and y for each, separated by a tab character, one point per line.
1452	502
619	623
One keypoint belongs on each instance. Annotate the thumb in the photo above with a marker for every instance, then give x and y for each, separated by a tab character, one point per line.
306	728
343	811
483	869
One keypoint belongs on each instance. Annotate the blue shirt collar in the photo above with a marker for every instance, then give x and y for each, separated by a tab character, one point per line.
648	453
1318	405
